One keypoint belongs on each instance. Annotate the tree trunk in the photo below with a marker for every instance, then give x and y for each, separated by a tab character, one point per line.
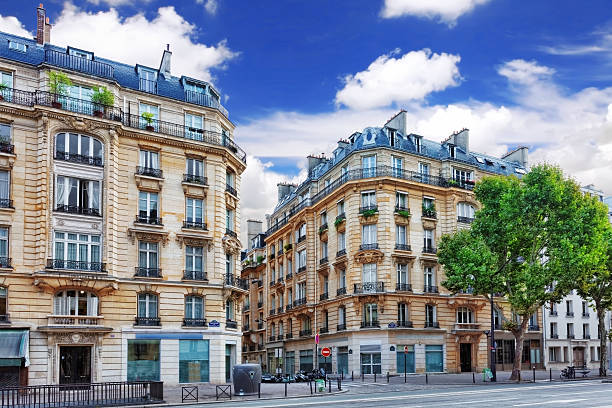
603	356
519	335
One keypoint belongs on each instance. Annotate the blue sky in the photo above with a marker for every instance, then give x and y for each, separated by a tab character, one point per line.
299	75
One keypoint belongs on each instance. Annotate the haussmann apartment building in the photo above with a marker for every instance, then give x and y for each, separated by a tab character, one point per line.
118	232
351	256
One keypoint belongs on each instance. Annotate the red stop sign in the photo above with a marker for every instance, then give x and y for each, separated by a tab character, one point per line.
325	352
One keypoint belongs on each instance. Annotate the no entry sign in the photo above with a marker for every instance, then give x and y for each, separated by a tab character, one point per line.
325	352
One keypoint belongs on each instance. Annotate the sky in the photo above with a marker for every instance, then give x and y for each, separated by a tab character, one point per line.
297	76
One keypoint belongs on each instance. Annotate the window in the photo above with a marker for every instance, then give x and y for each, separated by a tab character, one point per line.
397	166
369	273
229	310
417	144
148	258
368	234
370	359
342	315
401	200
230	179
402	275
147	207
306	323
290	361
370	314
464	315
79	53
342	279
424	169
368	200
17	46
462	175
324	250
553	354
195	212
324	218
340	207
149	160
553	330
77	251
533	322
300	291
194	262
325	284
143	360
80	92
553	309
585	309
569	309
586	332
306	360
434	358
301	260
78	148
497	318
3	304
194	364
465	212
430	315
77	196
570	330
229	264
289	296
148	79
75	303
195	167
402	314
400	235
5	190
5	130
428	203
147	305
194	126
341	240
153	110
368	166
451	150
430	278
4	247
229	219
428	240
194	307
301	232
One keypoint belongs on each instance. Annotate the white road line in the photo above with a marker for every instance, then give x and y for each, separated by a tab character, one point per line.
569	401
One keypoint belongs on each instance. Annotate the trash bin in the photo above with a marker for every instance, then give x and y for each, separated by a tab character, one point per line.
247	378
320	384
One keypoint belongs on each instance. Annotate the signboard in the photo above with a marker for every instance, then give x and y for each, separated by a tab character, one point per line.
325	352
406	349
317	338
213	323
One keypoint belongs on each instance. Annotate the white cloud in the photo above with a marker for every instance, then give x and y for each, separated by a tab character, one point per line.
210	6
389	80
12	25
446	11
137	39
524	72
599	42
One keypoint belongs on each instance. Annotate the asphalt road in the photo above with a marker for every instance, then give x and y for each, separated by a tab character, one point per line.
587	394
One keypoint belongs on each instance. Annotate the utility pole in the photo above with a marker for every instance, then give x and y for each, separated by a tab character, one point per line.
493	348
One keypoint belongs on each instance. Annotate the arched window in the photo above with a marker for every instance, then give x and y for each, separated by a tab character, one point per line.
464	315
75	302
78	148
465	212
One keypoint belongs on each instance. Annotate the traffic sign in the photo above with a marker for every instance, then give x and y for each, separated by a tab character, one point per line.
405	349
325	352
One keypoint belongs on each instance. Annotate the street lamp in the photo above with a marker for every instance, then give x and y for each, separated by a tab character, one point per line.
493	348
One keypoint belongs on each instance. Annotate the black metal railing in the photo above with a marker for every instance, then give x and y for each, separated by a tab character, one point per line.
289	276
402	247
301	269
323	261
434	325
203	99
231	190
289	306
401	208
289	336
324	296
370	323
340	253
299	302
554	335
403	323
6	203
272	312
341	291
246	307
365	208
149	219
586	314
403	287
272	338
5	318
553	313
5	262
569	314
430	289
305	332
83	395
230	324
17	96
259	285
340	217
75	265
76	209
534	327
341	327
429	213
232	280
195	275
302	238
279	310
147	85
199	225
76	63
79	158
189	322
272	283
430	250
231	233
369	287
259	305
6	147
324	329
77	105
260	326
149	171
280	337
195	179
364	247
142	272
279	252
147	321
465	220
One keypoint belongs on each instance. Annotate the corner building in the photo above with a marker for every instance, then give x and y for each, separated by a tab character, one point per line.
351	255
119	234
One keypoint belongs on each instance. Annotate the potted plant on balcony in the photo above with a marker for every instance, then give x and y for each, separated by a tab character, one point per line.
102	99
260	259
3	86
403	213
58	86
288	247
148	117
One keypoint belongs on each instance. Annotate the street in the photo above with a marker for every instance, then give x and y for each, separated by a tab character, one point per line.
575	394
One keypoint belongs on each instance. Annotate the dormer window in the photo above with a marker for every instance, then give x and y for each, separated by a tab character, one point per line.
392	137
17	46
148	79
452	151
417	144
80	53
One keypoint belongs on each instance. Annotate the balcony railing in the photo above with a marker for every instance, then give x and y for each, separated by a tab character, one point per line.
17	96
260	347
148	272
302	238
231	190
341	291
587	314
554	335
279	310
149	171
75	209
147	321
534	327
341	327
194	322
403	287
429	250
74	265
586	336
79	158
195	179
149	219
365	208
5	262
231	233
260	326
289	306
231	280
6	147
299	302
402	247
467	326
199	225
68	320
323	261
288	276
6	203
324	296
430	289
230	324
404	323
465	220
280	337
341	252
289	336
279	252
246	308
203	99
553	313
5	318
434	325
195	275
272	282
272	312
571	336
305	332
259	284
80	64
324	329
569	314
370	323
429	213
366	247
301	269
272	338
340	217
259	305
369	287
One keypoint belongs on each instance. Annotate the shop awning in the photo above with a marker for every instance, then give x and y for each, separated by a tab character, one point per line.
13	347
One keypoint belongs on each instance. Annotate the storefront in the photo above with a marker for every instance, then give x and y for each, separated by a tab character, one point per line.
405	360
14	357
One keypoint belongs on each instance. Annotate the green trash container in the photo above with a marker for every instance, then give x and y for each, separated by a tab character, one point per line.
320	384
487	374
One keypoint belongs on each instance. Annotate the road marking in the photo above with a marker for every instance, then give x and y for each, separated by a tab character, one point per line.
569	401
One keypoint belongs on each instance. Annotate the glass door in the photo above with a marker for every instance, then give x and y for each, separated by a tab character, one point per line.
75	365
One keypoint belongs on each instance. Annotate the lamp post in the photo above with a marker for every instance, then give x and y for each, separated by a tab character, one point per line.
493	348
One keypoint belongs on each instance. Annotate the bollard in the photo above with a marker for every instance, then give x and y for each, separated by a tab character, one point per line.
404	376
519	375
374	377
339	384
330	385
473	378
258	391
343	374
310	383
351	376
550	374
533	373
362	376
387	377
426	379
285	389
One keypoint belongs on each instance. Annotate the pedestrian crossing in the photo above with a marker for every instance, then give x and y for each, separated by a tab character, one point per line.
363	384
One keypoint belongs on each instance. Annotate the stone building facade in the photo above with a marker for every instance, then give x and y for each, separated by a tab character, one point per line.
351	257
119	232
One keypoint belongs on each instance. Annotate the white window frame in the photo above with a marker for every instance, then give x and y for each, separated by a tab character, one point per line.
369	234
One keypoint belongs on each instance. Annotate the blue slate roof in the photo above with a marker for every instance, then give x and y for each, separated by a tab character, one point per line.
125	75
377	137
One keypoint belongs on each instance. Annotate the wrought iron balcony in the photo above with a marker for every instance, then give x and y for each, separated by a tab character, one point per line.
341	252
430	289
586	314
80	64
259	283
260	326
341	327
260	347
230	324
75	209
72	265
534	327
231	233
279	252
403	287
289	335
402	247
230	189
5	318
302	238
305	332
301	269
6	203
553	313
401	208
571	336
465	220
246	307
259	305
5	262
289	306
429	213
232	280
554	335
272	312
195	179
365	247
370	323
149	219
586	336
404	323
324	329
6	147
429	250
467	327
147	321
369	287
272	282
195	275
148	272
149	171
569	314
195	322
288	276
199	225
279	280
323	261
203	99
70	320
272	338
77	158
434	325
299	302
340	217
324	296
279	310
279	337
341	291
252	347
365	208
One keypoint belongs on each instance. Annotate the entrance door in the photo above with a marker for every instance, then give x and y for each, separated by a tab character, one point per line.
578	356
228	362
75	365
465	356
343	360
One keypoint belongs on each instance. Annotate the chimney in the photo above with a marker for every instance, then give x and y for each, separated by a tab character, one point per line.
284	189
164	67
254	228
43	27
461	139
398	122
314	161
519	155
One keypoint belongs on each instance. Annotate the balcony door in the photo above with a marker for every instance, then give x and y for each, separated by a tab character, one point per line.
369	277
75	365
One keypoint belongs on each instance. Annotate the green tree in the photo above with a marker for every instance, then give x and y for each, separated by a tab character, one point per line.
520	245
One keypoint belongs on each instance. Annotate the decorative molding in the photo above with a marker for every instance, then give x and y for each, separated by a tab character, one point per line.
403	259
147	235
369	256
148	183
194	190
368	220
402	220
194	240
429	223
231	245
231	201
